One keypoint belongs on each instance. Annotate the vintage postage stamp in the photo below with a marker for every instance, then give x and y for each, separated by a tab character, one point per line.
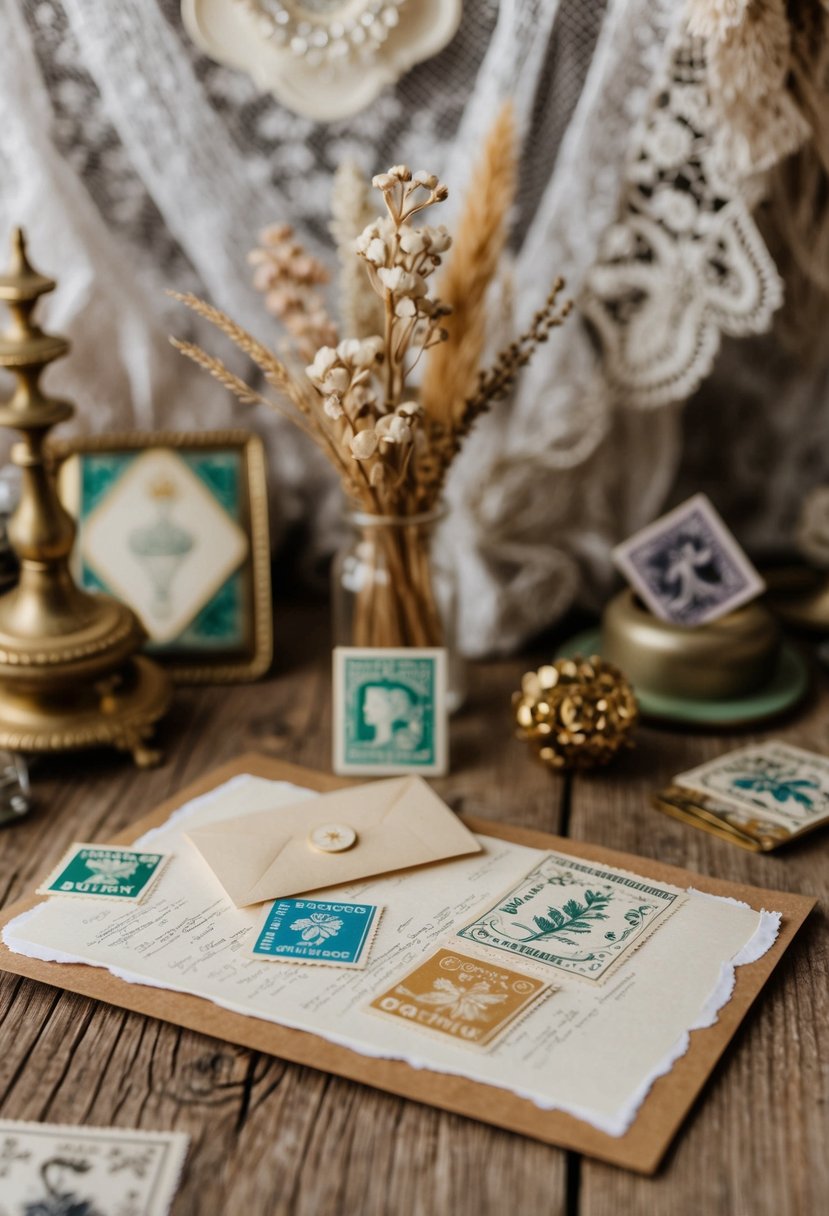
48	1168
461	998
687	567
105	872
572	916
390	711
774	780
318	931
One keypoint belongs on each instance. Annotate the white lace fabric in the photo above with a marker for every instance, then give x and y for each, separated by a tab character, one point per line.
137	164
684	263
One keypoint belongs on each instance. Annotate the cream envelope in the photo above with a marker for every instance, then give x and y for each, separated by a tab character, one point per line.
269	854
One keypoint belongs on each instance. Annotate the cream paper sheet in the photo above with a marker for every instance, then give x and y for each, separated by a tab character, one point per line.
590	1050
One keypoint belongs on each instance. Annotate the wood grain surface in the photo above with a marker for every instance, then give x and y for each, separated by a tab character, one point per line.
270	1138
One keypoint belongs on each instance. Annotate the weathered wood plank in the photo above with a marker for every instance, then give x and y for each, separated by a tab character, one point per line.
268	1137
756	1145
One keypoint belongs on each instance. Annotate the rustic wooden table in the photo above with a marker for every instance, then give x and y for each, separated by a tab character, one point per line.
271	1138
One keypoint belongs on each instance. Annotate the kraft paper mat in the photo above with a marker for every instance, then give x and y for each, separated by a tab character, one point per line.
659	1118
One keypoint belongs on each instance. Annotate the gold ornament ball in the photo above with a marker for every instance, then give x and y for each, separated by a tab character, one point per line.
577	712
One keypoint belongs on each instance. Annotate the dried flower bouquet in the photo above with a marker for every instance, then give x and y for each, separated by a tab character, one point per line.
391	444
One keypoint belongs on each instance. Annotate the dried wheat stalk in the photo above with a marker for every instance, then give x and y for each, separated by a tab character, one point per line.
452	370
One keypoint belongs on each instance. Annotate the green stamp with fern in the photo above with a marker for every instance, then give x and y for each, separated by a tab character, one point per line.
573	916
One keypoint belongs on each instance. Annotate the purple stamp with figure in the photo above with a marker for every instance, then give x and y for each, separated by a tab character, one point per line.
687	567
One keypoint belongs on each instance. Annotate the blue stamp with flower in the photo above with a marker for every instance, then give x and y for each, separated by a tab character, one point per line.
336	932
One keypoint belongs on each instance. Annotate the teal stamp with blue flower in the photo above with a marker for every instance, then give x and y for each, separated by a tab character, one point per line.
336	932
574	917
105	872
390	711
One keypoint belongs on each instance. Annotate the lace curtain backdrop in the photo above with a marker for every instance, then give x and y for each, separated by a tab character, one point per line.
137	164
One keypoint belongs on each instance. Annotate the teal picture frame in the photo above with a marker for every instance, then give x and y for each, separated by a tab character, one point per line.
225	633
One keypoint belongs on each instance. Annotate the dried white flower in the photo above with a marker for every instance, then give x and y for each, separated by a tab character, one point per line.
361	395
370	233
333	406
402	172
412	240
439	239
364	445
384	182
396	279
348	349
405	307
393	429
376	253
428	180
360	352
337	380
324	360
409	409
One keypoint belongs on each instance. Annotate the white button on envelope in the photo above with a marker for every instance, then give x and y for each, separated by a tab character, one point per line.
332	837
389	825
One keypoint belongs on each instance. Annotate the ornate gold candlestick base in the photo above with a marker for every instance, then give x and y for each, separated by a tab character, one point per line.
68	675
119	712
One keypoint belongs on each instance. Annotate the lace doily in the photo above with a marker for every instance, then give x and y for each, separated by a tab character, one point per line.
684	263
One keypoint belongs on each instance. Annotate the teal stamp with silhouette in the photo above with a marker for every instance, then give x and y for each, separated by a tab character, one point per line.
390	710
104	872
336	932
574	917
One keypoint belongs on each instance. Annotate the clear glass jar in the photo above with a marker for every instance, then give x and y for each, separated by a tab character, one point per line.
390	588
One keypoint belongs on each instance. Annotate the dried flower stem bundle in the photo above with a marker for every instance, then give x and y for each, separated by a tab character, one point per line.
354	400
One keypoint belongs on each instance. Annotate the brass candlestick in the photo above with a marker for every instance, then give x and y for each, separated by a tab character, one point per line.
69	675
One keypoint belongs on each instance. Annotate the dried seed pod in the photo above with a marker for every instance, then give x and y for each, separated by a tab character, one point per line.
577	713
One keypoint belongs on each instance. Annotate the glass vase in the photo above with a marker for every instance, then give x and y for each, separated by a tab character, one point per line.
390	588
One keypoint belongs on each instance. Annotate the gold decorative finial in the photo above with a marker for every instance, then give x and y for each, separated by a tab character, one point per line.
68	675
19	261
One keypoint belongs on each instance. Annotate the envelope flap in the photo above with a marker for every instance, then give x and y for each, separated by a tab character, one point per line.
400	822
239	859
417	811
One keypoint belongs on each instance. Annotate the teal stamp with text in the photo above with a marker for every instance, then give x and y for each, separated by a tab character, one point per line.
574	917
105	872
390	710
336	932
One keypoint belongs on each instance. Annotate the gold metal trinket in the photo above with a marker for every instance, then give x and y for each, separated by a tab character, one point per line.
733	656
69	676
578	713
